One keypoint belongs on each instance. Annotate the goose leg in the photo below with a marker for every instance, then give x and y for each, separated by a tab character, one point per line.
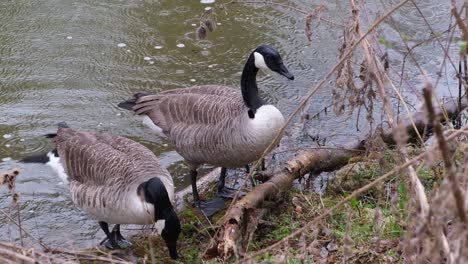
222	180
114	239
110	242
247	171
208	208
193	179
121	241
223	191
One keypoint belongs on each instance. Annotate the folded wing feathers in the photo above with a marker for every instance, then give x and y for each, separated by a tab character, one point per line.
207	105
102	159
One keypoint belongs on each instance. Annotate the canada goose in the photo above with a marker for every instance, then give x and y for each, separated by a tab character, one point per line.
215	124
116	180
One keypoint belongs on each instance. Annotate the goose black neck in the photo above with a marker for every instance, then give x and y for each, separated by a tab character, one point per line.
249	86
155	193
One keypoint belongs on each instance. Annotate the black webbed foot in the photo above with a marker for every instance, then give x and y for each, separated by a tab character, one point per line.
210	207
114	239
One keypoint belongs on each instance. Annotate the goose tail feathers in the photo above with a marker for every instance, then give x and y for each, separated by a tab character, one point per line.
47	156
130	103
59	125
41	158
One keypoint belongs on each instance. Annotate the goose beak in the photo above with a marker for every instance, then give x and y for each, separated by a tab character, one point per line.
172	250
285	72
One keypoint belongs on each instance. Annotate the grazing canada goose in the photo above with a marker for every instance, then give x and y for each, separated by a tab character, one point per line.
215	124
116	180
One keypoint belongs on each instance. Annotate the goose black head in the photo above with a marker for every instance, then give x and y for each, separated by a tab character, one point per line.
268	58
155	193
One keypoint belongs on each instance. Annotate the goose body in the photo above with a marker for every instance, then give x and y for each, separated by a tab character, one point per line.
104	172
228	138
215	124
114	179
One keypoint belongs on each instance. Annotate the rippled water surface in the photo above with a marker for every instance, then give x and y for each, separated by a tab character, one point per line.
73	61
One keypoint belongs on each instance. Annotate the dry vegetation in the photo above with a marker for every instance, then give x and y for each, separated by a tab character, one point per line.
396	197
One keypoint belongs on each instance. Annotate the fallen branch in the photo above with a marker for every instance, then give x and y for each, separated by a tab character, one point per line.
240	220
237	226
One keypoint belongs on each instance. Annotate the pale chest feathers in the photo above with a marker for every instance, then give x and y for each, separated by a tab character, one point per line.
129	209
265	125
140	211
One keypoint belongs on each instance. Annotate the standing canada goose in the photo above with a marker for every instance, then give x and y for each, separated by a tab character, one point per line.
215	124
116	180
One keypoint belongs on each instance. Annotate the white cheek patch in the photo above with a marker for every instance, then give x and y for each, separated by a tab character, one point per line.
260	61
159	225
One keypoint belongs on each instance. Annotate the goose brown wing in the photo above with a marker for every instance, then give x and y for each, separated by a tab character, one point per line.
201	105
219	90
101	159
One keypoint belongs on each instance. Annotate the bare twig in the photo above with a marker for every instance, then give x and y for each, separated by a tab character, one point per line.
460	22
448	164
25	231
86	256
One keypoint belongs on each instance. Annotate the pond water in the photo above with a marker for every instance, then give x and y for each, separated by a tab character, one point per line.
74	61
